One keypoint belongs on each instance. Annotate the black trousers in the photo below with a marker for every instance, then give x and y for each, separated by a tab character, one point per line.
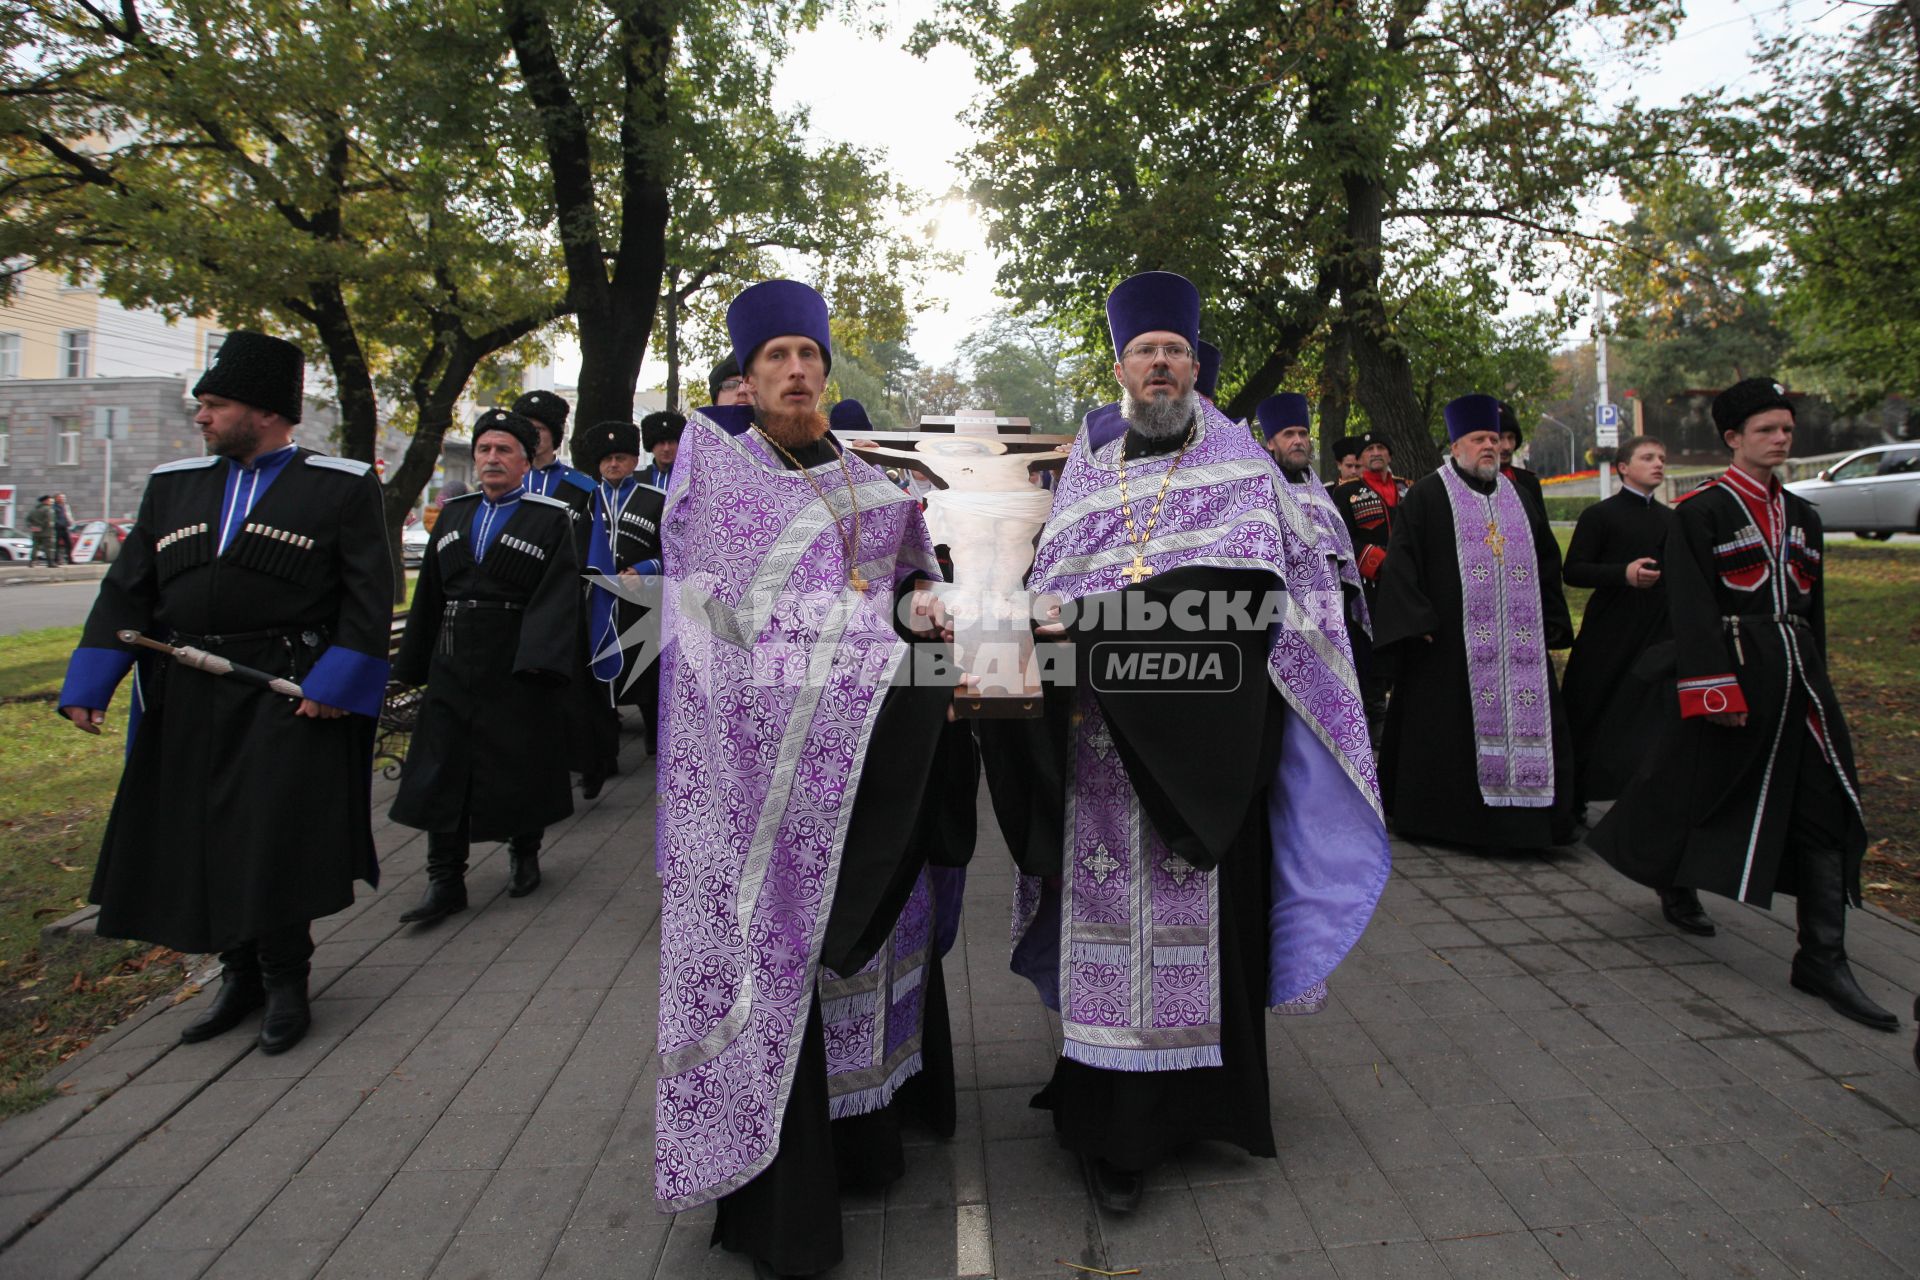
282	953
452	847
1817	822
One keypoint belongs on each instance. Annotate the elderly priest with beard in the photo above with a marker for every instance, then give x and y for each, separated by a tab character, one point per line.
1476	744
800	788
1190	854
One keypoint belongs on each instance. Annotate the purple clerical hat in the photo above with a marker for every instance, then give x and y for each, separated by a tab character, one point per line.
1469	414
1277	413
777	309
1153	302
1209	369
849	416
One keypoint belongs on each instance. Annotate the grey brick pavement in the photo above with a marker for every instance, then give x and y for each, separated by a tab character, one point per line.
1525	1073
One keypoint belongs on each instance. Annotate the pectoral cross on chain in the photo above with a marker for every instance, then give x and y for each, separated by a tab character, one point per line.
1495	540
1138	569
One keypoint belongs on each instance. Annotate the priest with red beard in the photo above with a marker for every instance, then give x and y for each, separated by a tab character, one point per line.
803	790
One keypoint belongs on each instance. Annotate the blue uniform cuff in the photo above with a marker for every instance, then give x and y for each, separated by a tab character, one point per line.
92	676
348	679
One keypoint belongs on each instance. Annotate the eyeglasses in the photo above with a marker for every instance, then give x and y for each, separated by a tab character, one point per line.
733	384
1163	350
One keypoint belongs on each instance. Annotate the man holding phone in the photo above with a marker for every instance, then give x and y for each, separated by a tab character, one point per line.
1613	714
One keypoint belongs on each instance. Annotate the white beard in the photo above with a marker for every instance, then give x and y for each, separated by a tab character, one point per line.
1159	419
1485	475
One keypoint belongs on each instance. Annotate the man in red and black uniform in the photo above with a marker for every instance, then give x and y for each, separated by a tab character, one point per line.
1753	791
1370	506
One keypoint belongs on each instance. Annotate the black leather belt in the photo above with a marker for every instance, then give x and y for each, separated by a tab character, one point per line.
312	636
511	606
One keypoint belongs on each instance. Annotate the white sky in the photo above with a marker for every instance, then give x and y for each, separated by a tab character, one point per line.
871	92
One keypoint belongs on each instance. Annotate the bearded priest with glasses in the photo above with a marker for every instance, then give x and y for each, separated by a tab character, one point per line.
804	776
1192	850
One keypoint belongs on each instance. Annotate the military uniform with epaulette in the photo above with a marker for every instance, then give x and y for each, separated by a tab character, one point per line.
238	822
493	634
1369	507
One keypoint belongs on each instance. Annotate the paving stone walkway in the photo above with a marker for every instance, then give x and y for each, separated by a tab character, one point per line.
1524	1073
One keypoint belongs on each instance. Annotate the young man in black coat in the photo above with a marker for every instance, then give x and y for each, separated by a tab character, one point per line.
1754	791
494	630
243	815
1615	714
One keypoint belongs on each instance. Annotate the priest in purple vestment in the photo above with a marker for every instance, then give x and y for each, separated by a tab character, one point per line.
1476	746
803	773
1193	848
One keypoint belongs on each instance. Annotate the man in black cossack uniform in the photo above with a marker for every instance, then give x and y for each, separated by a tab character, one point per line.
493	632
1369	506
1753	792
243	814
549	477
622	552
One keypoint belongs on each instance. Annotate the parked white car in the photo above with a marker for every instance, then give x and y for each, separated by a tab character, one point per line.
15	545
1874	493
413	543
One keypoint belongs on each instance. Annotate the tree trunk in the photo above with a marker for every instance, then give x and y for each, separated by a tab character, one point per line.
1336	391
672	304
1383	376
326	310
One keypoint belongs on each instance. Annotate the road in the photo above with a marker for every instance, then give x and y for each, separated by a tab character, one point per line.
54	604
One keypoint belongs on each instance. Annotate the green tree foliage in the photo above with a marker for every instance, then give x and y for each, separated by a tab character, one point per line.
750	194
1690	278
306	168
1028	369
1840	190
1292	158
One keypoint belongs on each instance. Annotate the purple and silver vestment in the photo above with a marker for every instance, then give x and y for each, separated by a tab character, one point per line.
1127	945
773	670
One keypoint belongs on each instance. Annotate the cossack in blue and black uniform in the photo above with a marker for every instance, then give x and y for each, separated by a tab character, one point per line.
237	822
493	634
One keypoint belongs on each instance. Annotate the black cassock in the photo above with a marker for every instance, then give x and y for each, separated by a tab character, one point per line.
493	641
236	817
1428	763
914	809
1201	764
1615	714
1713	807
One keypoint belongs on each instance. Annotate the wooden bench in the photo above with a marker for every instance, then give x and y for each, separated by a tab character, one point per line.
399	710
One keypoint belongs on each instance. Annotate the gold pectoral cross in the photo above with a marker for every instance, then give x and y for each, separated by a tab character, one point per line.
1138	569
857	582
1496	541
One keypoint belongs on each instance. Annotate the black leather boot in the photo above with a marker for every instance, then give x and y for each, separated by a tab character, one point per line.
1682	909
239	995
285	961
446	878
1820	966
523	864
287	1017
1114	1189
